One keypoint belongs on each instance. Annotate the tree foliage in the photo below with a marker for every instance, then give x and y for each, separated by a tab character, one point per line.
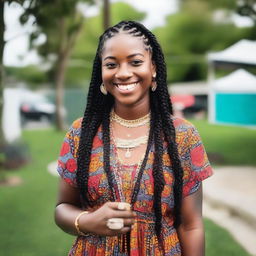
79	66
79	70
242	7
189	35
61	22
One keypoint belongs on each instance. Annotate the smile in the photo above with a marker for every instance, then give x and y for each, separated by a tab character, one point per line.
126	87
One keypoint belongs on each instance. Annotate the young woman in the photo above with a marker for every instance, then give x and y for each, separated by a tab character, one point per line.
131	172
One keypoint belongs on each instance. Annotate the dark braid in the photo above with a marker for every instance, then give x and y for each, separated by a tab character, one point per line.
158	164
165	109
97	112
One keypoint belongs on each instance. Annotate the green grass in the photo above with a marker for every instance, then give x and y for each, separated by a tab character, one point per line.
27	225
26	220
220	243
228	145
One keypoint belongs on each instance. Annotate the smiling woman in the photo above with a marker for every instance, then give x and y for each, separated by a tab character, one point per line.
127	73
134	185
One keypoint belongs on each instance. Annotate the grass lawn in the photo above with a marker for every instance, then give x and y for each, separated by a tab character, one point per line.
26	219
228	145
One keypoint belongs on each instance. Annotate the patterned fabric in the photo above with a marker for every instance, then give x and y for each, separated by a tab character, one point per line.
143	240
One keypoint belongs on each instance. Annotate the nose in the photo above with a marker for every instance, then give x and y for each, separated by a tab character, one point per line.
123	72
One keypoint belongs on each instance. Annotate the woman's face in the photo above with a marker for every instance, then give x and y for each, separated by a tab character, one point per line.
127	69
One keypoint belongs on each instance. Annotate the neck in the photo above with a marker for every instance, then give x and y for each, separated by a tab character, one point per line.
131	113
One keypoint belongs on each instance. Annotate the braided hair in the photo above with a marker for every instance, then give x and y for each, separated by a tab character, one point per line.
97	113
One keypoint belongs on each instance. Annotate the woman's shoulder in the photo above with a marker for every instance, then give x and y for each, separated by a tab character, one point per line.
181	124
75	127
77	123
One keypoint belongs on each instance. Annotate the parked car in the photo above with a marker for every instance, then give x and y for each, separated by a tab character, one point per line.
36	107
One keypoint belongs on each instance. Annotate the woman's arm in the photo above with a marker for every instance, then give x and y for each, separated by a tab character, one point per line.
68	208
191	230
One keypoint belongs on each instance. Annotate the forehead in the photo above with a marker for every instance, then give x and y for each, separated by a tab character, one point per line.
124	44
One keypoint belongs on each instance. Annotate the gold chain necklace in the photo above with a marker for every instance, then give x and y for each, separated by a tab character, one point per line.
130	144
130	123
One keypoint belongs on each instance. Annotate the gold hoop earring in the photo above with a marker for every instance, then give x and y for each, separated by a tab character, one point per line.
103	89
153	88
154	84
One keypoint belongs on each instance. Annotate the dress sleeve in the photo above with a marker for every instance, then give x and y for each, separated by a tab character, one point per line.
67	161
194	161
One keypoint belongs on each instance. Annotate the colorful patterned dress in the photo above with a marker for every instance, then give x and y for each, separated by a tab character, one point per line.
143	239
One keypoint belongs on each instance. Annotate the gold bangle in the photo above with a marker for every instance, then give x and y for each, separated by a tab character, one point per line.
77	224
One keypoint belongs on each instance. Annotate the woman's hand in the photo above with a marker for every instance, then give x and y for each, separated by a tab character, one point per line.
96	222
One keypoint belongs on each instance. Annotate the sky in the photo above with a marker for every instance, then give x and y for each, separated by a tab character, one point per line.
16	51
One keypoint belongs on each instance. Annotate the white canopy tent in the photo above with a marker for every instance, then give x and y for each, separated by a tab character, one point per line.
238	81
241	53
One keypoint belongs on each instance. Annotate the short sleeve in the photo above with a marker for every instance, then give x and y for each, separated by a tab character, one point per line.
67	161
194	160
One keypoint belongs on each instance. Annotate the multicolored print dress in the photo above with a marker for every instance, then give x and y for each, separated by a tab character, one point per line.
142	237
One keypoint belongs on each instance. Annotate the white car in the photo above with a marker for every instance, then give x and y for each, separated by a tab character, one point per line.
35	106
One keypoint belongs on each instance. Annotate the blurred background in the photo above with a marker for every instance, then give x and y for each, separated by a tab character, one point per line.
46	55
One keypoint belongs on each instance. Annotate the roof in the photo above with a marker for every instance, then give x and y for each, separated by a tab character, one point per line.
242	52
238	81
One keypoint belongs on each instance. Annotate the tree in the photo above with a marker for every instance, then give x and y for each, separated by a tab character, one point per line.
87	41
61	22
189	35
247	8
16	158
106	14
2	46
242	7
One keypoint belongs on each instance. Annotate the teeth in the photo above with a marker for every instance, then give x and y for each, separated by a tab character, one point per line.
127	87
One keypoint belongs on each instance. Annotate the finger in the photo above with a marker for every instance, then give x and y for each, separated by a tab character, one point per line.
124	230
123	206
123	214
129	222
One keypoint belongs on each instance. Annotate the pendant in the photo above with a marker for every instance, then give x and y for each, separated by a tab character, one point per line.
128	153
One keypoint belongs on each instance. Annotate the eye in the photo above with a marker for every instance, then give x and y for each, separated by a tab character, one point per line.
110	65
136	62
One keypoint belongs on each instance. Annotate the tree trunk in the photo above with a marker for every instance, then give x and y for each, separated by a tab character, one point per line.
59	81
66	46
2	44
106	15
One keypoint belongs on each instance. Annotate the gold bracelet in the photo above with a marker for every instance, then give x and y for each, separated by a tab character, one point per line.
77	224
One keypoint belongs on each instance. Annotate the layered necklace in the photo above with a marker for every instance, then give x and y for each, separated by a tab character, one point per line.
129	144
118	168
130	123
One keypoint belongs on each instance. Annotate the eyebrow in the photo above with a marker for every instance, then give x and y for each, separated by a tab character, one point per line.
128	57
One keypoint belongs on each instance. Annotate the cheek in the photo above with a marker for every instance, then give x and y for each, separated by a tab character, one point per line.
146	73
106	75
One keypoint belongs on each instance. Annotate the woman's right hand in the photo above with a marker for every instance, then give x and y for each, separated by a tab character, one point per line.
96	222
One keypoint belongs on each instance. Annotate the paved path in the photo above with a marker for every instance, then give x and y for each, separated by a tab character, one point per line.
230	201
